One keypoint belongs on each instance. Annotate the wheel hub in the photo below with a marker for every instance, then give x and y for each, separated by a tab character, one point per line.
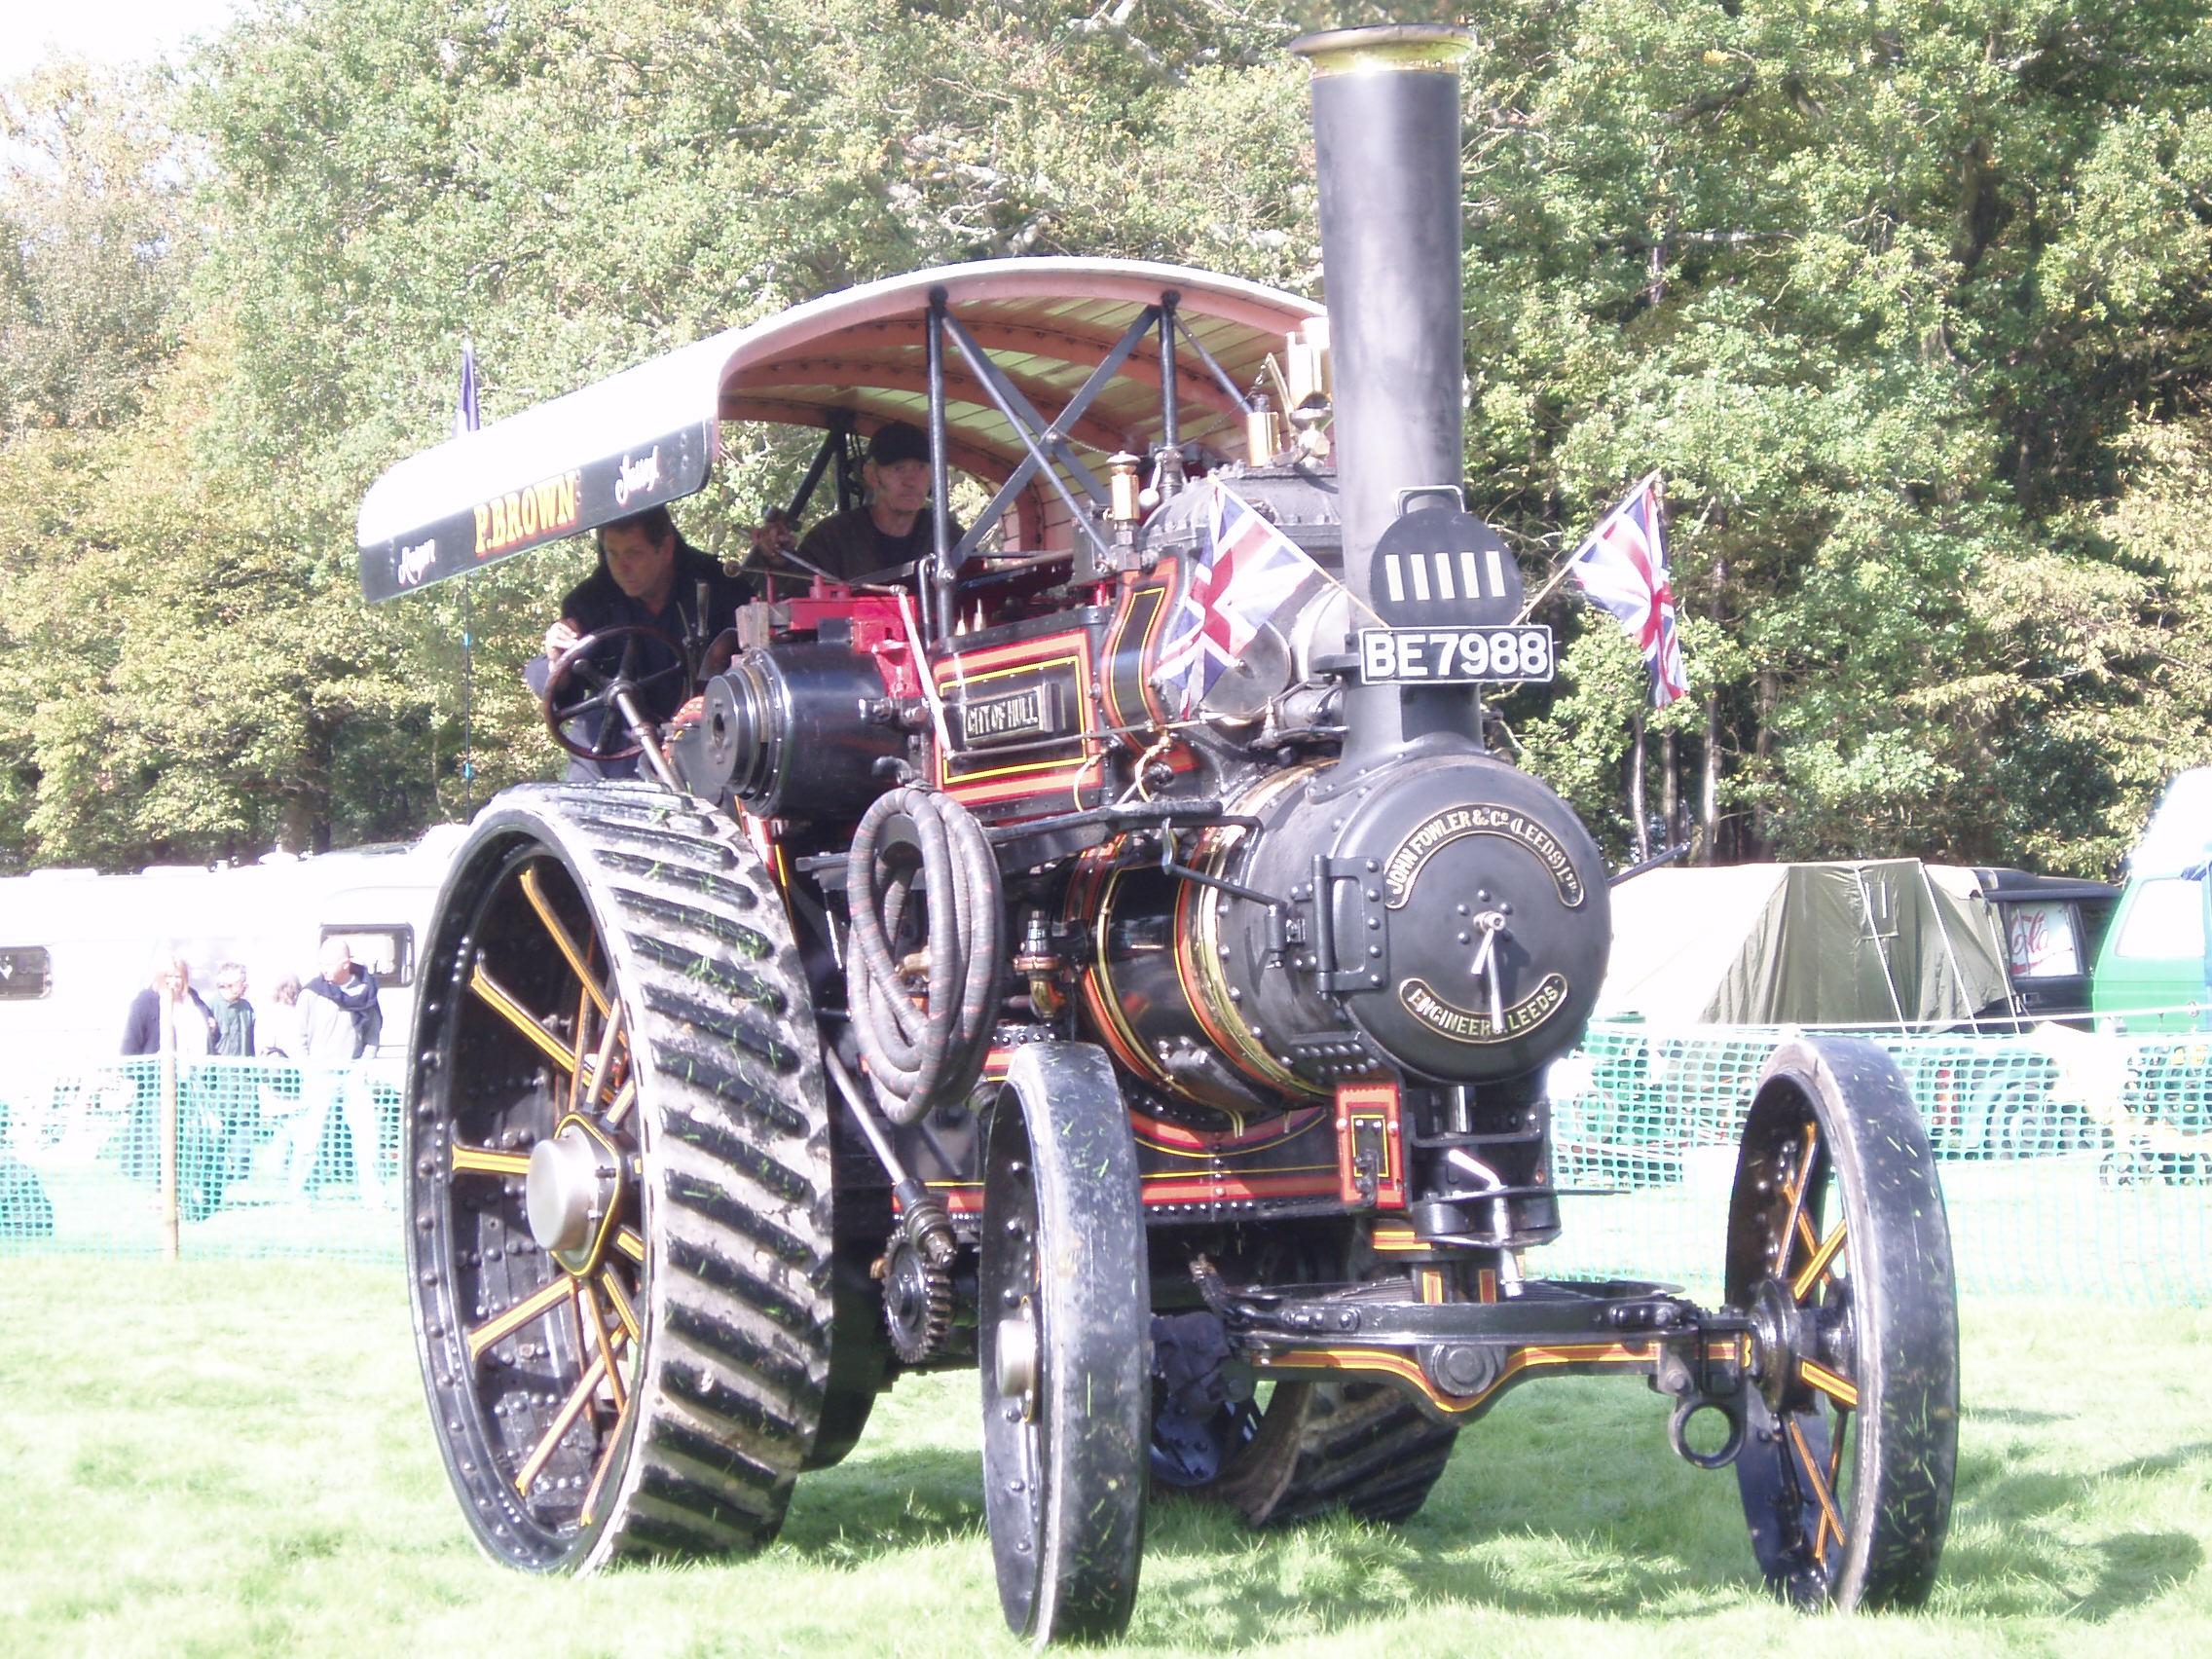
573	1191
1778	1327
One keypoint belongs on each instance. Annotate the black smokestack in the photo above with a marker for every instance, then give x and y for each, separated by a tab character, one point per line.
1386	131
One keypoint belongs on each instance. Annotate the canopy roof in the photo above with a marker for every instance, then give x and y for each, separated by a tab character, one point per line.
650	433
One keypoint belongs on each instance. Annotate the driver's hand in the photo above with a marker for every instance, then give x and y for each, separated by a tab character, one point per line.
561	637
773	535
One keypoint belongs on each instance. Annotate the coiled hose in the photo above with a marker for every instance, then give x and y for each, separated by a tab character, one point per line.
914	840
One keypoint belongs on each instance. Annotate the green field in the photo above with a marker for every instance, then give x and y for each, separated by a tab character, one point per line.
231	1458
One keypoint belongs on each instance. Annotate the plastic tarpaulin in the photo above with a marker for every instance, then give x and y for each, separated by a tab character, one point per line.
1891	942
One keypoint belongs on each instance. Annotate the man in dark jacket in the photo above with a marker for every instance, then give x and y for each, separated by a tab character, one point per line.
167	1016
883	541
192	1023
650	577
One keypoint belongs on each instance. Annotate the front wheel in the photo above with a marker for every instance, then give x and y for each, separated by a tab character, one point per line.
1839	1251
1066	1371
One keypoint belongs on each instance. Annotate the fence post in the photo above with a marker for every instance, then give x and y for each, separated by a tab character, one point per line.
165	1087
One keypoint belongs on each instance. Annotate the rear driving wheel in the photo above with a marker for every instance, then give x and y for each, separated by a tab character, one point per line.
1317	1447
617	1185
1839	1250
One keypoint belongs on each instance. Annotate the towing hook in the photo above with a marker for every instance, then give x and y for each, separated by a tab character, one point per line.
1731	1411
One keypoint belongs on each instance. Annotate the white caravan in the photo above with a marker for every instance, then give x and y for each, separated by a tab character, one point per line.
76	947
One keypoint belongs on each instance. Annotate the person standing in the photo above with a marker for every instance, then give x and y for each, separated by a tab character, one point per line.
233	1092
169	1018
192	1028
233	1014
335	1007
279	1033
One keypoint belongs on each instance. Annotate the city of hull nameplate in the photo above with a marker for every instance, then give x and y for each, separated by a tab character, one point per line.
1016	716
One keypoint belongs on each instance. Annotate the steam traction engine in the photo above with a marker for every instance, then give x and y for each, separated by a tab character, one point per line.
959	997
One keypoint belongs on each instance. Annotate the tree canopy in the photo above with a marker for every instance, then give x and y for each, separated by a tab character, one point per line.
1911	303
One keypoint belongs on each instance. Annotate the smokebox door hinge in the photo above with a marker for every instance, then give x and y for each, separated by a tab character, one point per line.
1355	957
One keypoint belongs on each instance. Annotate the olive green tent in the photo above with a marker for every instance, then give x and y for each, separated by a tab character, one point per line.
1887	941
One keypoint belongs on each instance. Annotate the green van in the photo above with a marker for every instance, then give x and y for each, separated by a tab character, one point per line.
2153	972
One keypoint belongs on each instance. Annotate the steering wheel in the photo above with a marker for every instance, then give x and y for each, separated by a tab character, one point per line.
580	683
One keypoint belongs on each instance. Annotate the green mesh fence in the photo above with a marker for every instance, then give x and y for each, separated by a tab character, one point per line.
2073	1164
270	1159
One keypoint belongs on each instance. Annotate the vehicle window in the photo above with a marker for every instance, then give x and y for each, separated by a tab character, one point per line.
387	952
2040	940
2165	922
27	972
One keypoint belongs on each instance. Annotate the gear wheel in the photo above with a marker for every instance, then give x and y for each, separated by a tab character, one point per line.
917	1301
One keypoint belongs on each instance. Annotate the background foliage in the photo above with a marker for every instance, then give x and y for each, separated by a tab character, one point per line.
1910	303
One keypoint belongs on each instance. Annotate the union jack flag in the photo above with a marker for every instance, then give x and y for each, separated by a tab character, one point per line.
1623	571
1247	572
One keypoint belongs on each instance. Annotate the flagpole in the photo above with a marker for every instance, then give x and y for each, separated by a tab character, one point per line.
466	420
1642	836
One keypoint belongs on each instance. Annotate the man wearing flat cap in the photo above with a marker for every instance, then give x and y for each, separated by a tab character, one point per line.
883	541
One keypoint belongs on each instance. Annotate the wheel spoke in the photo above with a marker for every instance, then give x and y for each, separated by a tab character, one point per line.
563	942
603	1058
1823	1495
630	1242
1841	1390
619	1299
624	1099
1837	1432
542	1453
607	1453
576	1077
536	1306
504	1004
1817	1269
488	1160
589	1321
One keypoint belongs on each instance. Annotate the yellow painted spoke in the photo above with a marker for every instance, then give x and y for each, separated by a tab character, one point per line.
605	1057
620	1300
1823	1494
488	1161
543	1454
560	940
576	1077
533	1306
1841	1390
589	1321
628	1240
502	1002
1835	1464
1818	1265
624	1099
606	1463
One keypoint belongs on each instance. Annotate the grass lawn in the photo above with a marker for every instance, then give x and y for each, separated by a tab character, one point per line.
231	1458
